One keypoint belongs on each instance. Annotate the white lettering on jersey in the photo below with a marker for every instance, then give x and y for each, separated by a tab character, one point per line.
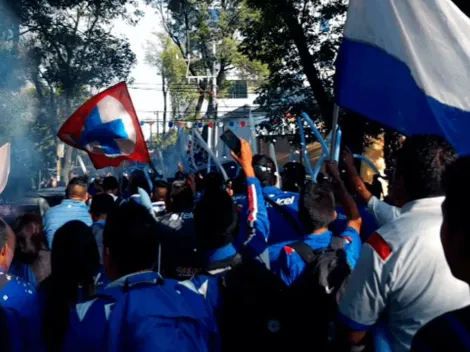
186	216
286	201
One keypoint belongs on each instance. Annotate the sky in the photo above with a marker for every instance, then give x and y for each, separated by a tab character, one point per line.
149	99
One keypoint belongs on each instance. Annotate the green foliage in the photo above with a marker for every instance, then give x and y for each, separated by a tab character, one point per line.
66	49
194	26
299	41
167	58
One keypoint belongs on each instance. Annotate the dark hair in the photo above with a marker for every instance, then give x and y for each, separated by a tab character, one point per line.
160	190
265	170
295	176
131	236
421	162
161	184
3	233
215	220
110	183
137	180
74	262
38	239
457	191
239	184
181	197
96	187
316	206
102	204
213	180
76	182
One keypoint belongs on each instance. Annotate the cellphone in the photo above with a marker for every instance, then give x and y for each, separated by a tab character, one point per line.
232	141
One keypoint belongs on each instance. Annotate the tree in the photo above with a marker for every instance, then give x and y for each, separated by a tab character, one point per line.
195	27
166	57
72	50
299	41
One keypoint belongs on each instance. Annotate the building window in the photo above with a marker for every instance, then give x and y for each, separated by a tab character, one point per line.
238	90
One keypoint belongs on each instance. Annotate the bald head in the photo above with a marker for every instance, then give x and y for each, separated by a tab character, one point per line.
77	189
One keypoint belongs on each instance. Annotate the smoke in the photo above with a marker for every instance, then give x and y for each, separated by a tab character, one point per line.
18	106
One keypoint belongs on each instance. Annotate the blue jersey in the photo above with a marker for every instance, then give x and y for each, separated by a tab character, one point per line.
290	265
252	242
281	229
92	325
23	271
18	299
369	225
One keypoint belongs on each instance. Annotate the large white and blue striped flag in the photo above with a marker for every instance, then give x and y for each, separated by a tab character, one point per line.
406	64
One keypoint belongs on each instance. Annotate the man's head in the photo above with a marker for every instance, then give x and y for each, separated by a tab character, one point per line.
181	197
213	180
293	177
455	232
7	246
77	189
215	220
160	191
265	170
101	205
316	207
111	185
420	165
130	241
29	237
137	180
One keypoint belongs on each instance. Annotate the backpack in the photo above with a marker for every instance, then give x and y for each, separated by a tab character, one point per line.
260	312
158	315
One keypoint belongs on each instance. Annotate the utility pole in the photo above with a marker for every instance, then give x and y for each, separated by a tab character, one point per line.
214	99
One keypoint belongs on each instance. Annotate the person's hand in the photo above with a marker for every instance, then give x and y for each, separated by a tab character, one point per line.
180	167
229	189
245	159
347	157
333	170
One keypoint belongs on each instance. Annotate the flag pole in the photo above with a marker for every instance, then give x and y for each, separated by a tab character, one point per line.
334	129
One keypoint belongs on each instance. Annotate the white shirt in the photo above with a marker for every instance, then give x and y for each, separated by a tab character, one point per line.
382	211
402	277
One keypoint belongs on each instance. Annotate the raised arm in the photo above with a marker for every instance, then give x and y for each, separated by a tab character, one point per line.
382	211
350	207
255	245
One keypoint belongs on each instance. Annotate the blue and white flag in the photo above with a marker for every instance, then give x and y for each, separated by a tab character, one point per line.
406	64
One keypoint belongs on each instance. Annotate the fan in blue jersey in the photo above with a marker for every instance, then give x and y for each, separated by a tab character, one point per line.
75	275
139	310
32	257
179	256
17	298
282	206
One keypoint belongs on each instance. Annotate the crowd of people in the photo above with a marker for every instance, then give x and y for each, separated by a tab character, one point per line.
199	264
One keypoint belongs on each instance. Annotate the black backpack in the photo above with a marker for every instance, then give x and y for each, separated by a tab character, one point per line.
261	313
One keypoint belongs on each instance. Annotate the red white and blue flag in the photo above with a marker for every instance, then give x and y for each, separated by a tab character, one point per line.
107	128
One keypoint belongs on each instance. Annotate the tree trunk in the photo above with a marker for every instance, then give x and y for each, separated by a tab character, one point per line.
69	150
200	101
297	34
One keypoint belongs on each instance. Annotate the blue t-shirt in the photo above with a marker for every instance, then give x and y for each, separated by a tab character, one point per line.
18	299
289	265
